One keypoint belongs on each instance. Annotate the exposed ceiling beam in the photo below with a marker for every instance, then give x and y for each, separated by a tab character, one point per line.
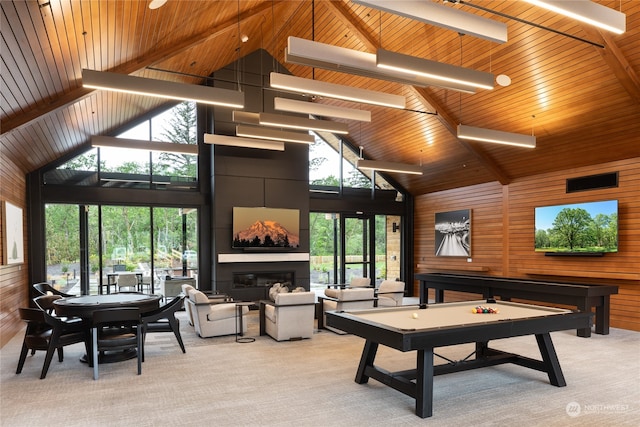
135	65
450	123
342	12
617	62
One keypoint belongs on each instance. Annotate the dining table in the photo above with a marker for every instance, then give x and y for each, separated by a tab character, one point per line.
83	306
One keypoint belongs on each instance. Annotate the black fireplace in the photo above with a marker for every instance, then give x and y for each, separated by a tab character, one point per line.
263	279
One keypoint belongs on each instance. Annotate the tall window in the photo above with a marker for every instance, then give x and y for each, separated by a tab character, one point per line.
122	167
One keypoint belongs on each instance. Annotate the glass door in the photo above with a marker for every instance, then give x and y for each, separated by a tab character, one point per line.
357	243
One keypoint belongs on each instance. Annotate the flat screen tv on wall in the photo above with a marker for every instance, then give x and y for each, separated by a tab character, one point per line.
578	228
266	228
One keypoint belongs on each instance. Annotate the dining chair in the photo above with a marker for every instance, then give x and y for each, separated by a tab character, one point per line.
116	329
163	319
48	333
44	288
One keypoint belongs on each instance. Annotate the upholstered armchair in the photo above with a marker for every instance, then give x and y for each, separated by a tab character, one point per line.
390	293
188	307
360	282
214	319
344	299
290	316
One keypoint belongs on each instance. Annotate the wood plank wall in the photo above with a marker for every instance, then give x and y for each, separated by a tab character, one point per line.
502	234
13	278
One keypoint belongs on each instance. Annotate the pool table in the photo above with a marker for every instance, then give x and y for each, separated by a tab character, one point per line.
425	327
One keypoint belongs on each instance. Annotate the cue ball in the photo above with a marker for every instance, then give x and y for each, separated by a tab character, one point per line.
414	315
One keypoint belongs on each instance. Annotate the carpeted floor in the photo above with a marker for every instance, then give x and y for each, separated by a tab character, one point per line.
311	383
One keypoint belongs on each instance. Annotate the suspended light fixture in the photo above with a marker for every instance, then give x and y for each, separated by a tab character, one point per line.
340	59
382	166
434	70
442	16
162	89
331	90
289	122
234	141
588	12
137	144
314	108
273	134
495	136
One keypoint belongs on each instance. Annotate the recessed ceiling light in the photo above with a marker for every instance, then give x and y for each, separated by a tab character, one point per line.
503	80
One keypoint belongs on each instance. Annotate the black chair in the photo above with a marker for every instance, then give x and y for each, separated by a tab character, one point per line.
48	333
116	329
164	319
45	288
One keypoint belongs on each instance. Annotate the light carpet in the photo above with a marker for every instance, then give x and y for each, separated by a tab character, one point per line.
311	383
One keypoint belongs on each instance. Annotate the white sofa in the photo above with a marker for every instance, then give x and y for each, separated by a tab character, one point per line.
289	316
345	299
214	319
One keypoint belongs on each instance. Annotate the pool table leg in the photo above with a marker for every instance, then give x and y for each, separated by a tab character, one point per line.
550	360
368	356
424	383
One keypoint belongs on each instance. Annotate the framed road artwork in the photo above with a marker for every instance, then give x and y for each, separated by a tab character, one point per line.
13	243
453	233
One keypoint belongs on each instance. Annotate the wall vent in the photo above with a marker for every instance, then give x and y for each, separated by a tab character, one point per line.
592	182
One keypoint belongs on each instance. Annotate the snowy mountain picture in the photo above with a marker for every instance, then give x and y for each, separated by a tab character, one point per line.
266	228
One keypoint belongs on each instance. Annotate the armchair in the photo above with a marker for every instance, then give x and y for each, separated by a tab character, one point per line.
187	307
344	299
360	282
214	319
289	317
45	288
390	293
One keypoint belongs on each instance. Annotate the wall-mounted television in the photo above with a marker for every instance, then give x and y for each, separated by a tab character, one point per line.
577	228
266	228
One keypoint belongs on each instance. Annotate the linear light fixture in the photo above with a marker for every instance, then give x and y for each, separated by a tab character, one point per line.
273	134
434	70
291	122
331	90
377	165
137	144
162	88
245	117
294	106
442	16
587	11
235	141
495	136
343	60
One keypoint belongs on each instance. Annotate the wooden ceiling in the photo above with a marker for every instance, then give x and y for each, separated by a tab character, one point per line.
581	101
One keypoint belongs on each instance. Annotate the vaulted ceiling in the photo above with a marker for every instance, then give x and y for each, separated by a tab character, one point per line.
575	87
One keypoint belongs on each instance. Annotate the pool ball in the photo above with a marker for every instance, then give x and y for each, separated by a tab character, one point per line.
414	315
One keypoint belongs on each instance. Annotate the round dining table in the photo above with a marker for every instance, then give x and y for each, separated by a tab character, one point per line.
84	306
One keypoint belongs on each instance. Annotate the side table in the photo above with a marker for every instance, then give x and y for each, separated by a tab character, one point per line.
239	322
